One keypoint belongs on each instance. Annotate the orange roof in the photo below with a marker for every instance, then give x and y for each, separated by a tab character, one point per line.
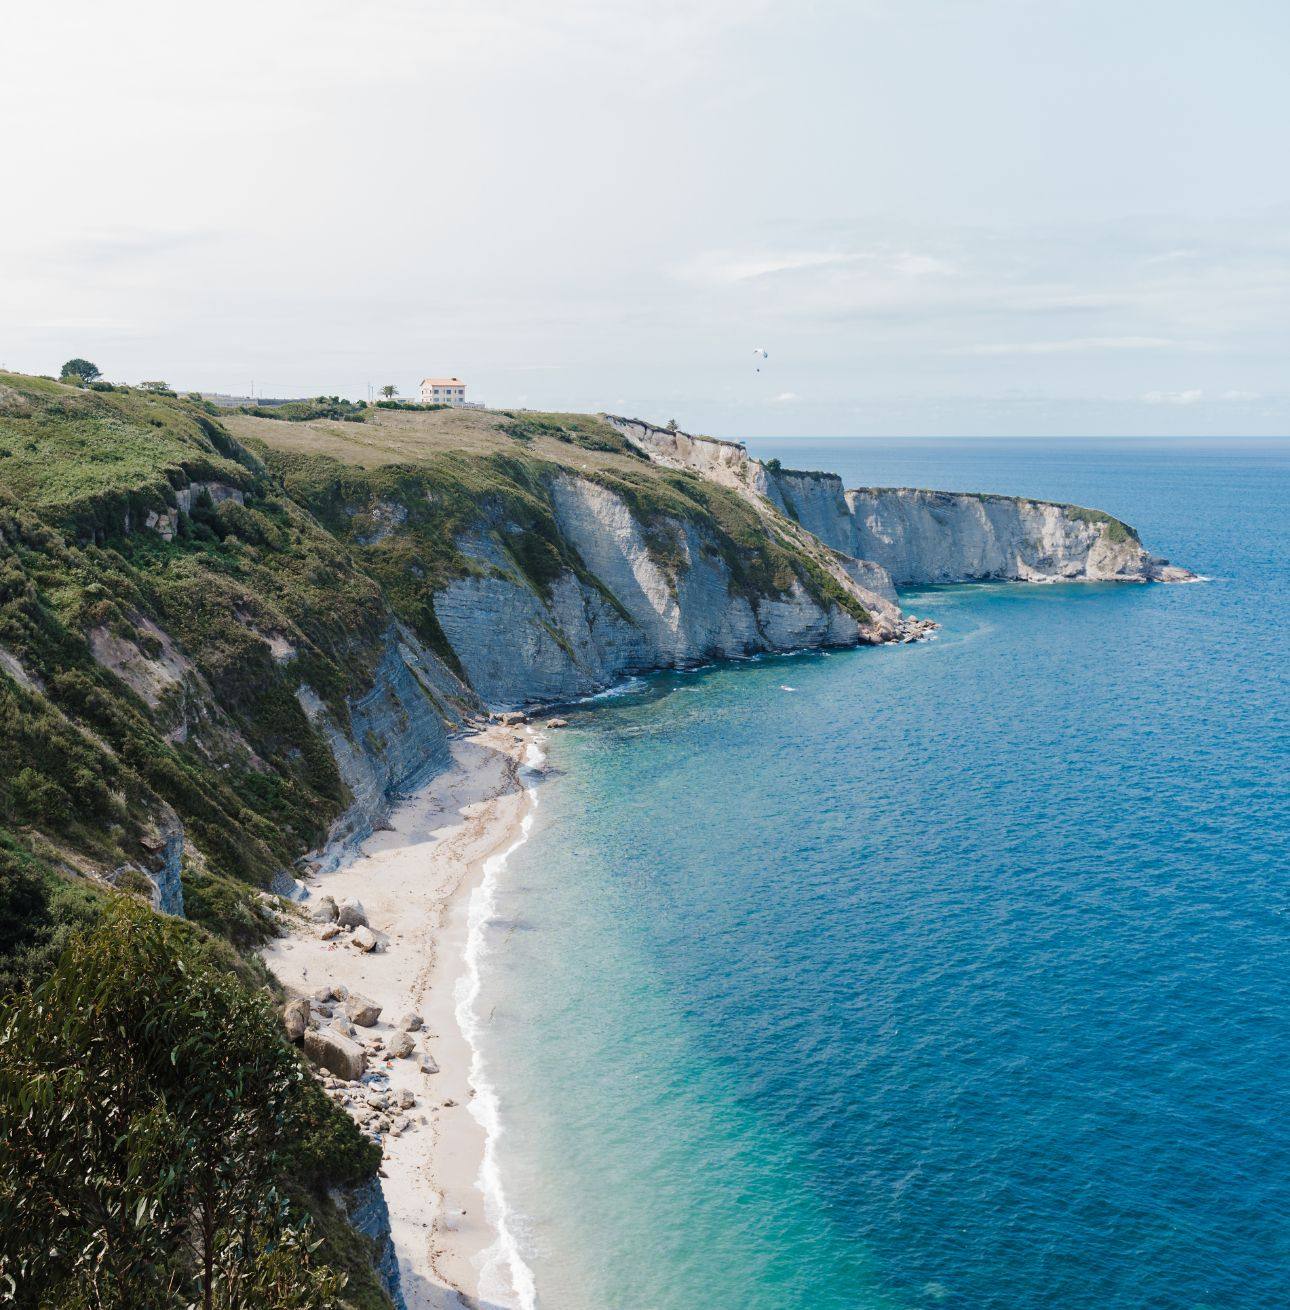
442	382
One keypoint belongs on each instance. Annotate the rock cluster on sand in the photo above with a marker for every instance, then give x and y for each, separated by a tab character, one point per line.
325	911
333	1050
295	1019
350	913
360	1010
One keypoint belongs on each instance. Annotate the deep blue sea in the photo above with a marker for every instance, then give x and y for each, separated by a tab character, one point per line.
952	975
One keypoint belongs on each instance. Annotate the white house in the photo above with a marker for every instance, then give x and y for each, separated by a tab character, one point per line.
443	391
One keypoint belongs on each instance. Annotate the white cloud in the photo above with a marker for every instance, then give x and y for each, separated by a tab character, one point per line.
1190	397
785	398
727	267
1070	346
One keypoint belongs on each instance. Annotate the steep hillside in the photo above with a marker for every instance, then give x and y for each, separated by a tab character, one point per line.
555	531
224	647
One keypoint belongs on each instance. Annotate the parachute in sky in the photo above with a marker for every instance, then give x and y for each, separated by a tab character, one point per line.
759	354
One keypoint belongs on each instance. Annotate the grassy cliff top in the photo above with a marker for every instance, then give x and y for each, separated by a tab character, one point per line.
583	442
63	446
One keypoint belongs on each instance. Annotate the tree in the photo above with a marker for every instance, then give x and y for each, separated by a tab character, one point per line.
156	386
149	1113
671	425
389	391
79	370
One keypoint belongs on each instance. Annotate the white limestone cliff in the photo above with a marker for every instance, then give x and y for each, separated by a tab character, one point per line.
627	613
917	537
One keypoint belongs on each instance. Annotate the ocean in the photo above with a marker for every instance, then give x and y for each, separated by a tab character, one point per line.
951	975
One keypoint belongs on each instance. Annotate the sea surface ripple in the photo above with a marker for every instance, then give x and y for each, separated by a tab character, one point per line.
954	976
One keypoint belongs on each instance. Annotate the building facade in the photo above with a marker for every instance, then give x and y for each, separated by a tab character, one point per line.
443	391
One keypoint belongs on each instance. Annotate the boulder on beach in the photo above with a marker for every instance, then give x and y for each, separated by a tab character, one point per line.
557	723
295	1018
343	1025
325	911
362	1011
351	914
321	994
364	939
411	1022
429	1065
329	930
333	1050
401	1045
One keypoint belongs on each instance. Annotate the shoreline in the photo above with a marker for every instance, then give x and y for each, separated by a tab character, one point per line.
426	882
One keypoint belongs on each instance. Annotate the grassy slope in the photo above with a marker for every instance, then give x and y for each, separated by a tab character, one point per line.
454	469
85	766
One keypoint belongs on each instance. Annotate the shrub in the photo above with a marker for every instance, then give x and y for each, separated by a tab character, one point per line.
149	1109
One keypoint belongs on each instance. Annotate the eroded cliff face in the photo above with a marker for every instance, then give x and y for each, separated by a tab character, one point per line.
627	610
396	736
912	537
932	536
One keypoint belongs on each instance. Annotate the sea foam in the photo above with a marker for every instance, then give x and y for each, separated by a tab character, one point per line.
505	1278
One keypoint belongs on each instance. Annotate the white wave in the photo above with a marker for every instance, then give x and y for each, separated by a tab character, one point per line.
505	1279
783	686
624	688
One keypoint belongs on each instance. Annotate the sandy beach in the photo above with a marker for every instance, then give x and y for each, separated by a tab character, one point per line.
416	881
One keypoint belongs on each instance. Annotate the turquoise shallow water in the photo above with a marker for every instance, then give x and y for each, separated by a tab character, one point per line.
953	976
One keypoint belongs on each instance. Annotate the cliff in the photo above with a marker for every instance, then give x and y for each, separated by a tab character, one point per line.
228	643
556	558
914	537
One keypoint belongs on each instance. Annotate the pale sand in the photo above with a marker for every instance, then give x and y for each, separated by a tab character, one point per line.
415	883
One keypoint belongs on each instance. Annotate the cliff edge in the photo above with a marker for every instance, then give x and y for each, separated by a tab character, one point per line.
918	537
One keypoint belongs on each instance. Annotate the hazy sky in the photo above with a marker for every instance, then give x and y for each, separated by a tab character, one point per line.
938	216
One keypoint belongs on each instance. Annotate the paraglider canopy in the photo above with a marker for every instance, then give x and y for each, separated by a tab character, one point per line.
759	354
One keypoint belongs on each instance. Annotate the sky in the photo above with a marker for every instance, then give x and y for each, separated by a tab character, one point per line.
938	217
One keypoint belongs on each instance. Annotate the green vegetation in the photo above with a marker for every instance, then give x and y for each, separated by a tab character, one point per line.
585	431
80	372
160	1143
305	411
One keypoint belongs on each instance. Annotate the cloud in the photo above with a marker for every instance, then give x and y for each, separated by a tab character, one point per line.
1070	346
785	398
1190	397
735	267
